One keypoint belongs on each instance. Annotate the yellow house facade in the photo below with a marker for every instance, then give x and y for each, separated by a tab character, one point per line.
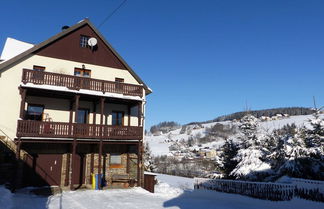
75	108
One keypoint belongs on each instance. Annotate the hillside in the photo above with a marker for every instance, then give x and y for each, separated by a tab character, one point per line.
252	148
160	144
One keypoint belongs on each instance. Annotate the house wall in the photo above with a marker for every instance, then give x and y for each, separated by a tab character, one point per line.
10	79
59	110
67	67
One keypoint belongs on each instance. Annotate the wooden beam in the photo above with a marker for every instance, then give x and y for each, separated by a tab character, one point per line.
91	166
139	114
18	149
74	147
76	101
67	170
138	168
100	156
71	118
102	108
129	115
23	93
127	160
94	112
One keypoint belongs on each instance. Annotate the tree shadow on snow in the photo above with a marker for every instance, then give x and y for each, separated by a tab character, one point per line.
193	199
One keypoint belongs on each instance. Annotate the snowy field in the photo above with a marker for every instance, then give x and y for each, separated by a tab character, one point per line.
171	192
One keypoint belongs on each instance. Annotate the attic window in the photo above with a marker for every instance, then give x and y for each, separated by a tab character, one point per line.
84	41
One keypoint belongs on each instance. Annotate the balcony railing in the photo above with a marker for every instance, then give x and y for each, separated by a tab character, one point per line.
30	128
77	83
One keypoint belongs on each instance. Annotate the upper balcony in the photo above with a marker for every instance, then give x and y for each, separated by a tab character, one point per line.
77	83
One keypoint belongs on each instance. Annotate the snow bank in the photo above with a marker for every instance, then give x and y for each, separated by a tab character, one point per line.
169	194
5	198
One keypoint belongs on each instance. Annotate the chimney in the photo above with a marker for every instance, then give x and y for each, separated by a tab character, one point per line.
65	27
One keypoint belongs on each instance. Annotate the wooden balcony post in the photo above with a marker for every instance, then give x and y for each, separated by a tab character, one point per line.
94	112
91	165
74	147
76	101
76	108
70	118
67	173
100	156
129	115
23	93
138	165
139	114
102	107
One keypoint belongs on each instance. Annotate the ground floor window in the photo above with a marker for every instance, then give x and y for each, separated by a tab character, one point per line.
115	159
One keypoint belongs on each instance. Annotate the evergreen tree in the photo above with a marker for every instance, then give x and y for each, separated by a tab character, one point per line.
299	152
227	157
148	160
251	158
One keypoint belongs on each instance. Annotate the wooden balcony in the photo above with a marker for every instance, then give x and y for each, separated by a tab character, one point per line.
77	83
30	128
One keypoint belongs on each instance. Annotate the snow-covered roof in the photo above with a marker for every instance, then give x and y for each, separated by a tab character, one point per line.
13	48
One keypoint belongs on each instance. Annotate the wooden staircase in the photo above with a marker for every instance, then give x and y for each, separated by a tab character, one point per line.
10	167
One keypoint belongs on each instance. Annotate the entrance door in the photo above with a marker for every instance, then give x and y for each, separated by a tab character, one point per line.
43	170
78	171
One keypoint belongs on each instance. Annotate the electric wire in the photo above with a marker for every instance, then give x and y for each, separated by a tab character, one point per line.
112	13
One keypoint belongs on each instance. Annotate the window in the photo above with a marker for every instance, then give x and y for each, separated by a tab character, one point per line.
117	118
119	80
115	159
84	41
38	68
34	112
38	75
83	115
119	84
82	72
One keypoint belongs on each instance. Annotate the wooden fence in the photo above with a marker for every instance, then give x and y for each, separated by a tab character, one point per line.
261	190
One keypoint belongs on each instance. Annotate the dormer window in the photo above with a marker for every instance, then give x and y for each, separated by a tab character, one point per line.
84	41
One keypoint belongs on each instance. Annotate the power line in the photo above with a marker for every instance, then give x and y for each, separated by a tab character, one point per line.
112	13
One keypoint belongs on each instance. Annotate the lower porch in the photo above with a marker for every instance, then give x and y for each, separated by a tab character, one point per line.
71	164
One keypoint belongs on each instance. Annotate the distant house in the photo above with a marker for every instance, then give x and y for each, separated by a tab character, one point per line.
74	108
207	153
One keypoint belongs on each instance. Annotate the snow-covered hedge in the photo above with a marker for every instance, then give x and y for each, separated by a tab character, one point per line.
264	190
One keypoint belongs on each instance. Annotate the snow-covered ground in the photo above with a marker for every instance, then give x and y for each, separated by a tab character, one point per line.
171	192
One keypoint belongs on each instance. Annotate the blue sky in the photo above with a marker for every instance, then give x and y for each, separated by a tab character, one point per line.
201	58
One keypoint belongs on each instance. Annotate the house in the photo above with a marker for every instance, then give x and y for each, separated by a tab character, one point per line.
207	153
74	108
